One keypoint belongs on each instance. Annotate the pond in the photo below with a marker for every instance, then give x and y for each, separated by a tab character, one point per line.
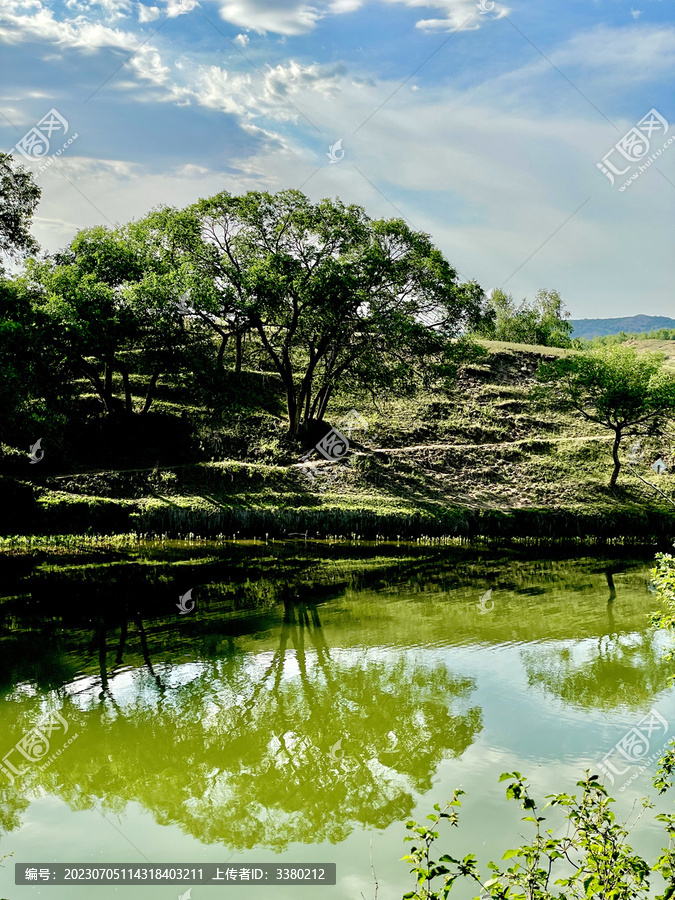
297	703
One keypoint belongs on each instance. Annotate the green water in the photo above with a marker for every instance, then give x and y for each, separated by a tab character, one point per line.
314	699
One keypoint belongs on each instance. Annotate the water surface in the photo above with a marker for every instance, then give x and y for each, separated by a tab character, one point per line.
314	699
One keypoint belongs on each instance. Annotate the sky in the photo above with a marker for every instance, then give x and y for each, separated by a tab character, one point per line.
482	124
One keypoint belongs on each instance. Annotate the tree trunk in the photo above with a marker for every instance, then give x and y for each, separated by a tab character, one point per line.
123	640
107	378
93	376
308	397
615	455
102	655
129	403
221	351
293	411
150	396
239	339
323	406
108	385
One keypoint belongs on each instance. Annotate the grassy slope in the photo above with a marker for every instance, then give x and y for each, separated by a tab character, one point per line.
665	347
490	459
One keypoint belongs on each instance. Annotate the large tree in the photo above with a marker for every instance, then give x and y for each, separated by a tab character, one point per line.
330	294
628	392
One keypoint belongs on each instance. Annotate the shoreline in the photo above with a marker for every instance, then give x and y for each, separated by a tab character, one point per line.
345	518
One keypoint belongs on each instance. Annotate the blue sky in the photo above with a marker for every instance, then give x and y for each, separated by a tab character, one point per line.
483	128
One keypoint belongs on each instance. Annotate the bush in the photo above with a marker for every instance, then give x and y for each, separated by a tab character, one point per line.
591	859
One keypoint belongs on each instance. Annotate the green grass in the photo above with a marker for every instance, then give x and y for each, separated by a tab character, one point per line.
490	458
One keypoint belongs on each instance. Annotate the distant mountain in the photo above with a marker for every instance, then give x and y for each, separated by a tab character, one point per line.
588	328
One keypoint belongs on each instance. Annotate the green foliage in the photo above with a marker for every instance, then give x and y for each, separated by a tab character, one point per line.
663	579
425	869
589	859
19	197
542	321
614	386
34	392
15	349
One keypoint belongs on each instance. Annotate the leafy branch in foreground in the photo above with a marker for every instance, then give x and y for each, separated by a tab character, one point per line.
663	579
590	859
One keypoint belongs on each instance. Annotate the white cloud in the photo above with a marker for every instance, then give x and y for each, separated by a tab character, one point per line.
282	16
110	9
250	97
635	52
179	7
291	77
28	4
462	15
84	167
635	13
75	33
191	171
147	13
345	6
215	88
80	34
291	17
242	40
148	65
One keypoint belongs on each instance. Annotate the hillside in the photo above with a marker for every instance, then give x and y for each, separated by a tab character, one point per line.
589	328
492	458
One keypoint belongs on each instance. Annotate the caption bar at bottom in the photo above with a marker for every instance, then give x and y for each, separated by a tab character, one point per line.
161	873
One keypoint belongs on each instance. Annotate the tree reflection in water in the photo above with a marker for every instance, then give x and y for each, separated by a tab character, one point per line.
236	748
619	670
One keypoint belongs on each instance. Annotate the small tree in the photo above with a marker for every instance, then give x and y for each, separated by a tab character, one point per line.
627	392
